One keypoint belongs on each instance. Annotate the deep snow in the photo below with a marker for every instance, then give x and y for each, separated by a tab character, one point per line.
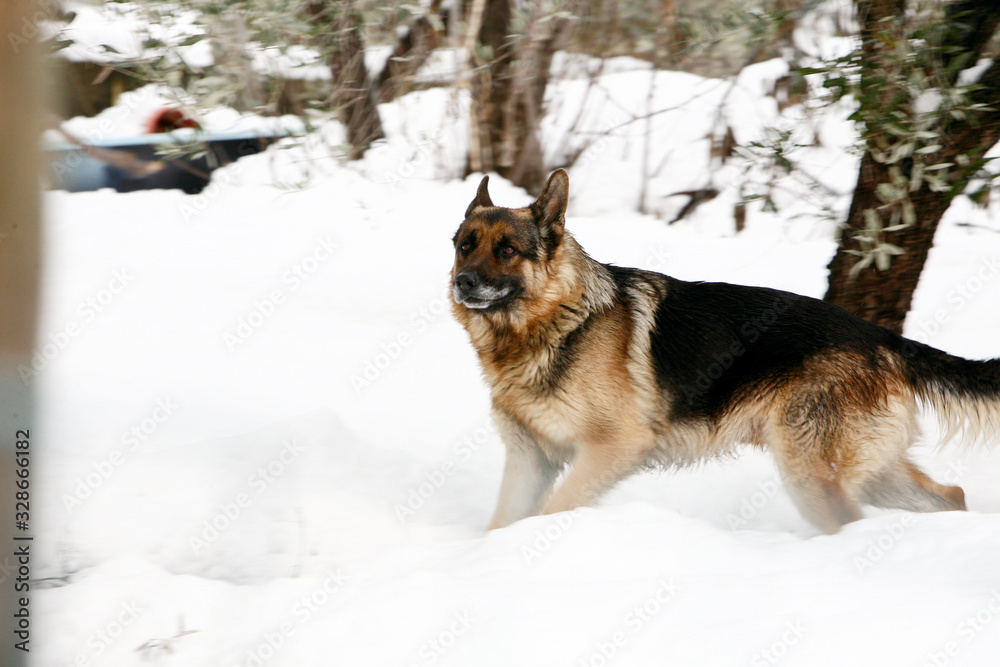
260	424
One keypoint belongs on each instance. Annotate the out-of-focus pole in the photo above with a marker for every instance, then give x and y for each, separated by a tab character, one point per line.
21	116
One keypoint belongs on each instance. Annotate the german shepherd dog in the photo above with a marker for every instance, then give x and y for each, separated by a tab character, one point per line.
611	370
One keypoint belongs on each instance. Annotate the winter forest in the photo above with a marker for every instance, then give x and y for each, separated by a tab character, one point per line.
242	427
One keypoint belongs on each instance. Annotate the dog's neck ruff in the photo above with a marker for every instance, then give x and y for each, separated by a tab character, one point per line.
576	289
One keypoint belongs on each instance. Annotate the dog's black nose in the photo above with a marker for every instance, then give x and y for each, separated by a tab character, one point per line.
467	280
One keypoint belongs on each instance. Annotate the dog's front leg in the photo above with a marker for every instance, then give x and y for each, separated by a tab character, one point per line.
596	469
528	475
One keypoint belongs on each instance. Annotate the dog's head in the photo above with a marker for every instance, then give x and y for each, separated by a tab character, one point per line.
503	255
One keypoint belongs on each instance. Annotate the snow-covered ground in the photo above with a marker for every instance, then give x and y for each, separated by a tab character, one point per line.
264	441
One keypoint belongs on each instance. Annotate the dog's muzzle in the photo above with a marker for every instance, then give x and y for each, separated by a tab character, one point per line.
471	291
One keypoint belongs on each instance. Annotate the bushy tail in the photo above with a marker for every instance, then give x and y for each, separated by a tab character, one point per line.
964	393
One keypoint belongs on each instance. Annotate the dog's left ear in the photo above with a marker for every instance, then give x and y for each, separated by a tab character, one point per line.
482	197
550	207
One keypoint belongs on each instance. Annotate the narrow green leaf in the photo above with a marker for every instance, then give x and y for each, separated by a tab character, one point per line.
191	39
872	219
861	265
909	214
882	260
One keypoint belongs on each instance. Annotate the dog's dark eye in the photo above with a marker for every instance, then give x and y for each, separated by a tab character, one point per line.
509	250
465	247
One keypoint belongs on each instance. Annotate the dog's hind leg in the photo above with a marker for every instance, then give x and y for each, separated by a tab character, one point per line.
528	476
822	499
905	486
816	457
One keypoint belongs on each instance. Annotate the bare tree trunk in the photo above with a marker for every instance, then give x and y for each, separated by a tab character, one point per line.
521	158
20	129
884	296
229	47
353	94
490	80
789	11
411	52
476	82
507	95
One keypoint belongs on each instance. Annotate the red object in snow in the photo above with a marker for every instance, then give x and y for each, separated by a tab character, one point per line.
169	119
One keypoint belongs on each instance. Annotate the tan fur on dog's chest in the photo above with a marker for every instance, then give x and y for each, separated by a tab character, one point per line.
593	403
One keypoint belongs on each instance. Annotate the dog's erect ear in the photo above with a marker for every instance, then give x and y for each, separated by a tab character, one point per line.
550	207
482	197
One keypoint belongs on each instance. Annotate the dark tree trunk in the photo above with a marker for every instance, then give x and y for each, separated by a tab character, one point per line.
490	84
353	94
507	96
520	156
411	51
885	296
